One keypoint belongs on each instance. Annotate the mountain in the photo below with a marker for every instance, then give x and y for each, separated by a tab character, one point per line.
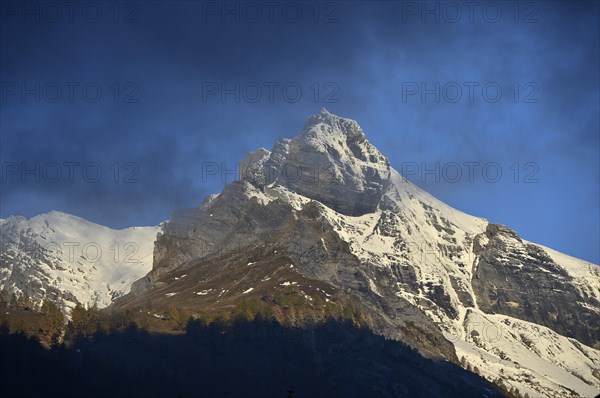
324	217
322	226
69	260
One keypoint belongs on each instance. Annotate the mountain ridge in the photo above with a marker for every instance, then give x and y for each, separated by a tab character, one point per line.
323	219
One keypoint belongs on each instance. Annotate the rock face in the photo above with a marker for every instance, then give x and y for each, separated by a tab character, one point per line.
521	280
237	218
229	225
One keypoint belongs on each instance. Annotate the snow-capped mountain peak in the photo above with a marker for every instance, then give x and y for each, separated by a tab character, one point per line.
330	161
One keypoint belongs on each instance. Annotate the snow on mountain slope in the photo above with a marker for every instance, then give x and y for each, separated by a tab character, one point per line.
585	274
70	260
531	357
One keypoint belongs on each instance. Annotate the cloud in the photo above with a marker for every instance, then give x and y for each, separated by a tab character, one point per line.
355	67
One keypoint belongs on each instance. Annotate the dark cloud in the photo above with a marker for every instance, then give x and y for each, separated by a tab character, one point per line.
357	65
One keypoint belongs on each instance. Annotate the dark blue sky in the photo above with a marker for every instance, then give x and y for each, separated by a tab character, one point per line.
396	67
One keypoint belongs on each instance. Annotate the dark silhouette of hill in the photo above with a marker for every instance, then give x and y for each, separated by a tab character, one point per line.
240	359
